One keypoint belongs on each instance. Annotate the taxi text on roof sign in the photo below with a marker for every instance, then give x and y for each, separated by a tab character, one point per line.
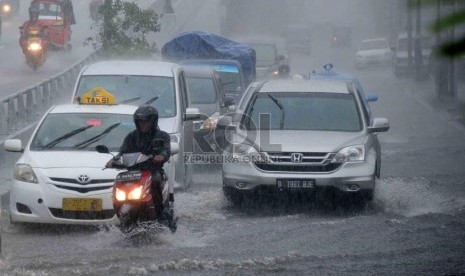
98	95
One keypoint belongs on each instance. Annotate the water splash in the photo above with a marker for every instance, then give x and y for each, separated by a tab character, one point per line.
411	197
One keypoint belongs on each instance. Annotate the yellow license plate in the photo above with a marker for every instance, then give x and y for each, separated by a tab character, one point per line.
82	204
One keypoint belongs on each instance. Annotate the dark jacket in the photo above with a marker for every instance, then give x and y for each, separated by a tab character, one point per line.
136	141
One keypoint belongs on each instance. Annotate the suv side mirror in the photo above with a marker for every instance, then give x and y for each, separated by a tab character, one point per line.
379	125
372	97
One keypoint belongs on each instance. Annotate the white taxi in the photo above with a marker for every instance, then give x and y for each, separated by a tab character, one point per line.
60	177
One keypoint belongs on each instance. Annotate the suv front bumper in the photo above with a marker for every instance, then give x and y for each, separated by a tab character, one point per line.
247	176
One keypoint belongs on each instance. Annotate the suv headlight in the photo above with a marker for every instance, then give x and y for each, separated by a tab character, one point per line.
350	154
243	149
24	172
246	153
211	122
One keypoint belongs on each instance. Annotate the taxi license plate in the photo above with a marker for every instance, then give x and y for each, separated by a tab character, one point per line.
295	183
82	204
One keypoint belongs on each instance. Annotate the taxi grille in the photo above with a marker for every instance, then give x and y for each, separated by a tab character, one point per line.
74	181
84	190
82	215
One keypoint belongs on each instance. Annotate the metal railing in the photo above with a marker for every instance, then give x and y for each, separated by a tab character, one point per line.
27	106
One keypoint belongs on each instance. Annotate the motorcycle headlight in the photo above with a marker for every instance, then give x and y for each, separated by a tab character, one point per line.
6	8
350	154
34	46
24	172
120	195
135	194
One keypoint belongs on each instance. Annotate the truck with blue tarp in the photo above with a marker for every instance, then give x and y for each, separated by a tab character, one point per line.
221	54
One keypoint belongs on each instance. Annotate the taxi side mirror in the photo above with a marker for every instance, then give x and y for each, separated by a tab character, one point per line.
102	149
13	145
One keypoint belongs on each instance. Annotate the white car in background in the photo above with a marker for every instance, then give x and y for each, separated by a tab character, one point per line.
373	52
60	178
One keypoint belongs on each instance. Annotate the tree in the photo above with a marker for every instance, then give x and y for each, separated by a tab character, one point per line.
453	20
124	29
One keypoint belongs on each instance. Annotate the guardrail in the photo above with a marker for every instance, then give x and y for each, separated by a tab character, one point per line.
27	106
23	108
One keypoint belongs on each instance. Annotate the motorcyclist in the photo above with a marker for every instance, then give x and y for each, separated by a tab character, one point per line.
284	71
141	140
32	22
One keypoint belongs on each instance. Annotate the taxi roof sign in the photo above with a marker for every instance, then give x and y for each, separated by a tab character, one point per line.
98	96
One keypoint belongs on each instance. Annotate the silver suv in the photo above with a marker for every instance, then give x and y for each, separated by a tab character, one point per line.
302	136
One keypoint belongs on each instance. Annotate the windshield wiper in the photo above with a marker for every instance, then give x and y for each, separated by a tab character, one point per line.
150	101
66	136
96	137
281	123
129	100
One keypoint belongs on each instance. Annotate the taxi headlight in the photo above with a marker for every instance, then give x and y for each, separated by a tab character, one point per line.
350	154
135	194
24	172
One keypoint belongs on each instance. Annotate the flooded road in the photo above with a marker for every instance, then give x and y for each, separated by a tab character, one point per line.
415	225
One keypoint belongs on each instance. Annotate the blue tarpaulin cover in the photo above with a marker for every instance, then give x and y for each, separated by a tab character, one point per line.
204	45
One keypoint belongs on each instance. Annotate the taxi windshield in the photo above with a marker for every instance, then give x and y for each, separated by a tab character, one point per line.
82	131
134	90
304	111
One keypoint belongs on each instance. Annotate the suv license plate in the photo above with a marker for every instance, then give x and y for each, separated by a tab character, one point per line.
295	183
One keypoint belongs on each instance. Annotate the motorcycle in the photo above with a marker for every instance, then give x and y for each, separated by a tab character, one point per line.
8	8
35	48
133	200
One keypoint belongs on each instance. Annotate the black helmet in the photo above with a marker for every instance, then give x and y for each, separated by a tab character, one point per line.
146	112
33	12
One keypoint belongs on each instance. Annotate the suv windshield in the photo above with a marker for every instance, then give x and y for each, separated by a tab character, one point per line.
304	111
135	90
82	131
